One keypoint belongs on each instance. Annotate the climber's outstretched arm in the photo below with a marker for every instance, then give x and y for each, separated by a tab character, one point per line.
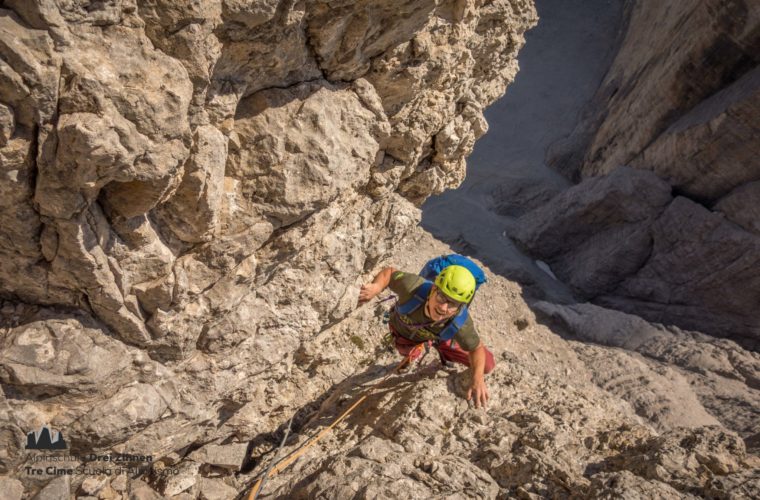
378	284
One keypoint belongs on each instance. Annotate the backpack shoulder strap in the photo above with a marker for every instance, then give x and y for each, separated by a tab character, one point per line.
419	298
454	325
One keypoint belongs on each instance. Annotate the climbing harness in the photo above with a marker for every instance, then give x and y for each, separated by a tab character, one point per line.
387	341
276	467
386	317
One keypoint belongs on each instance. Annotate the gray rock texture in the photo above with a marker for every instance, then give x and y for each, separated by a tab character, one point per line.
679	99
13	489
703	274
712	149
596	233
557	423
151	148
742	206
230	456
623	242
191	194
692	379
552	429
685	109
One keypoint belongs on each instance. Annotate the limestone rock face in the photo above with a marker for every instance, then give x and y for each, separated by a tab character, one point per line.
680	100
696	254
29	80
712	149
552	429
742	206
661	224
596	233
53	356
136	133
666	259
193	213
296	150
656	109
552	426
692	379
190	191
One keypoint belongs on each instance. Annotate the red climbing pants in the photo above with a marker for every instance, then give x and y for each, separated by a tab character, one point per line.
449	351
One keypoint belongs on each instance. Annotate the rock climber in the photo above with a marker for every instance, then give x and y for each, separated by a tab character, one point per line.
451	292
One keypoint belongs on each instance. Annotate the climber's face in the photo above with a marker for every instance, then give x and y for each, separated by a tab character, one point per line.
440	307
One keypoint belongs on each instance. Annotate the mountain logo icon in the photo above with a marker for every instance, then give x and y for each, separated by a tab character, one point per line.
45	439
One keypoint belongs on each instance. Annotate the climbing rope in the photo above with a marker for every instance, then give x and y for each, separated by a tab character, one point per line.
276	467
277	456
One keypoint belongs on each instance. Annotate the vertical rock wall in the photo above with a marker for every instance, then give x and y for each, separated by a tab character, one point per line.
682	86
680	101
189	190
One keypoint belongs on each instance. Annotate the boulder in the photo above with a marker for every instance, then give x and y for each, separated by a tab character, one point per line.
139	490
57	489
227	456
185	478
596	233
129	410
193	213
623	242
320	141
695	253
56	355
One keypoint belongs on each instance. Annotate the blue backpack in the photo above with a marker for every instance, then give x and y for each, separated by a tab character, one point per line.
429	273
434	267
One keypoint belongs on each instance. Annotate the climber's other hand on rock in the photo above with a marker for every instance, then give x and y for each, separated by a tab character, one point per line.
478	392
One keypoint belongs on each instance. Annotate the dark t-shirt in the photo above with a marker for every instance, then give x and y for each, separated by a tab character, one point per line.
410	326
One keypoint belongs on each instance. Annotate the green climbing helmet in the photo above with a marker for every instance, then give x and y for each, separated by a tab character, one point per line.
457	283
